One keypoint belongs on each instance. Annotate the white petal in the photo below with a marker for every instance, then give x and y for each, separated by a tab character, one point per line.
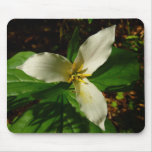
92	102
48	67
96	50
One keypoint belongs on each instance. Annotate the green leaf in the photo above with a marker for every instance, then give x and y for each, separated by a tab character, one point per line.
109	127
114	104
132	37
55	116
14	102
42	93
21	88
90	21
18	82
119	72
120	95
131	105
18	59
73	45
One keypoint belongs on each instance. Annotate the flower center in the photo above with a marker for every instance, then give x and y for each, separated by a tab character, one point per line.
78	75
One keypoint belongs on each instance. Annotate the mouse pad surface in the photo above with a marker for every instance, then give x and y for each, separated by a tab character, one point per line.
75	76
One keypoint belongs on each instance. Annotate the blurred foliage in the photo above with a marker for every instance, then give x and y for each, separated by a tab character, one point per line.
31	106
119	95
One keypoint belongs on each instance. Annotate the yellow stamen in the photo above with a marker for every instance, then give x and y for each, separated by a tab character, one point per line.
81	67
78	75
81	80
84	75
72	77
87	75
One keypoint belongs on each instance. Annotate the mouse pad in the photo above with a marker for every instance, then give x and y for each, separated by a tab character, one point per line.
75	76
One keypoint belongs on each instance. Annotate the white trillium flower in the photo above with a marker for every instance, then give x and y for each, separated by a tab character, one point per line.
93	53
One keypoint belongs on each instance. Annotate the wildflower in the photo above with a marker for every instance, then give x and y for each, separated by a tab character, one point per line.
93	53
